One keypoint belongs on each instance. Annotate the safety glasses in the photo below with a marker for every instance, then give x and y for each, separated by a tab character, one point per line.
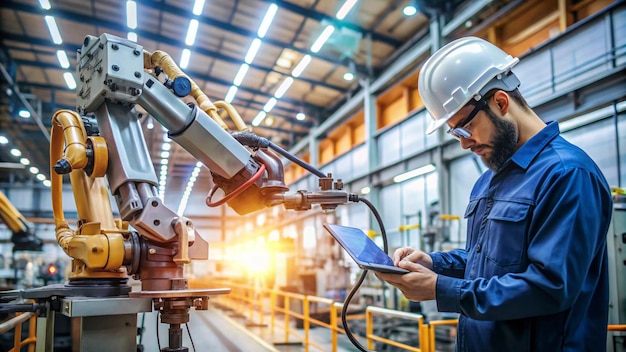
460	131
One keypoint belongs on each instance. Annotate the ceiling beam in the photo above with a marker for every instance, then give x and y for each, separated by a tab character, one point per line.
319	16
228	27
76	17
197	75
291	119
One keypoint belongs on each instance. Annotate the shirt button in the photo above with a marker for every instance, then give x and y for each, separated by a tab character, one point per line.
478	248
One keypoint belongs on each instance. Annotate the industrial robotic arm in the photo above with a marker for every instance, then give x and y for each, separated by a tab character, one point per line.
103	149
22	235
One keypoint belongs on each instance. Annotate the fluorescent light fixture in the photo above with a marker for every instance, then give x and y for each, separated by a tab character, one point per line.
254	47
69	80
409	10
163	167
241	74
33	170
258	118
345	8
45	4
321	40
54	30
283	87
184	58
131	14
24	114
4	140
24	161
232	91
270	104
150	125
166	146
16	152
267	20
348	76
300	116
191	32
165	154
414	173
41	177
188	189
366	190
304	62
164	161
132	36
182	205
63	60
47	183
197	7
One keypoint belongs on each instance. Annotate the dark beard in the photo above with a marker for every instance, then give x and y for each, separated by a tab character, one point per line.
504	142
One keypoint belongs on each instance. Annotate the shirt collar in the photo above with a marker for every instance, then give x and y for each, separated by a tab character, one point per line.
529	150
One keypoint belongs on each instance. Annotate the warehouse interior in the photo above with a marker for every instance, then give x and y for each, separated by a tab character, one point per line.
331	87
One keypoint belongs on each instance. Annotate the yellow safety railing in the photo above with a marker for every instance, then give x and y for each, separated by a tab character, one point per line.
431	330
371	337
16	323
251	300
252	303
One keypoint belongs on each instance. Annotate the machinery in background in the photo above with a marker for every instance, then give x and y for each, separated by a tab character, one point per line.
102	149
616	245
23	239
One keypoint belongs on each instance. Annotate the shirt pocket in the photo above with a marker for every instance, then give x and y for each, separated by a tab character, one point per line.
505	239
470	216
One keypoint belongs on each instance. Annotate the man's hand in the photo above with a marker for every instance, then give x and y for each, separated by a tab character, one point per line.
412	255
418	285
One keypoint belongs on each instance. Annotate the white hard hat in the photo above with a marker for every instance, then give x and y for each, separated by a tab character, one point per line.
461	70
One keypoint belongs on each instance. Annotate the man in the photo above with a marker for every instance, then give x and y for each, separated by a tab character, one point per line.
533	275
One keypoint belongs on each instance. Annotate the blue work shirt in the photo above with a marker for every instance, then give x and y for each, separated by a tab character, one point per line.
533	275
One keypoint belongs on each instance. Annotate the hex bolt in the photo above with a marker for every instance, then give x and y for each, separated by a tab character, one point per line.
136	52
137	74
157	222
114	47
154	203
151	251
115	68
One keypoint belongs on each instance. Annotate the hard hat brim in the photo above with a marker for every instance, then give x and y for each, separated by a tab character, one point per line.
435	125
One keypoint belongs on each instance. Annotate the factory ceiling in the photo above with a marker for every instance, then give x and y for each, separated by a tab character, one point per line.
288	63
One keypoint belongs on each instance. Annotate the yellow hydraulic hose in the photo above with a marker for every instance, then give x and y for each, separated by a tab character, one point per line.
163	60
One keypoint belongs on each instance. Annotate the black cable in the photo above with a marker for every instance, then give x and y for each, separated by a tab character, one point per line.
190	338
295	159
143	324
157	332
355	288
344	312
252	140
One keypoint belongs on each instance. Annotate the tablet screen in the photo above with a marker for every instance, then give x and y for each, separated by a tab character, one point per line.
360	246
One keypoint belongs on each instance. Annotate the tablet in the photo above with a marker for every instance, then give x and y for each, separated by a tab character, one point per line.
363	250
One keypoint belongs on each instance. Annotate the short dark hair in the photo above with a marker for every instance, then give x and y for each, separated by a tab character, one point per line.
515	94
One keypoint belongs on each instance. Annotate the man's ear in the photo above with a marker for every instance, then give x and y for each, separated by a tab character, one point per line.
501	98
